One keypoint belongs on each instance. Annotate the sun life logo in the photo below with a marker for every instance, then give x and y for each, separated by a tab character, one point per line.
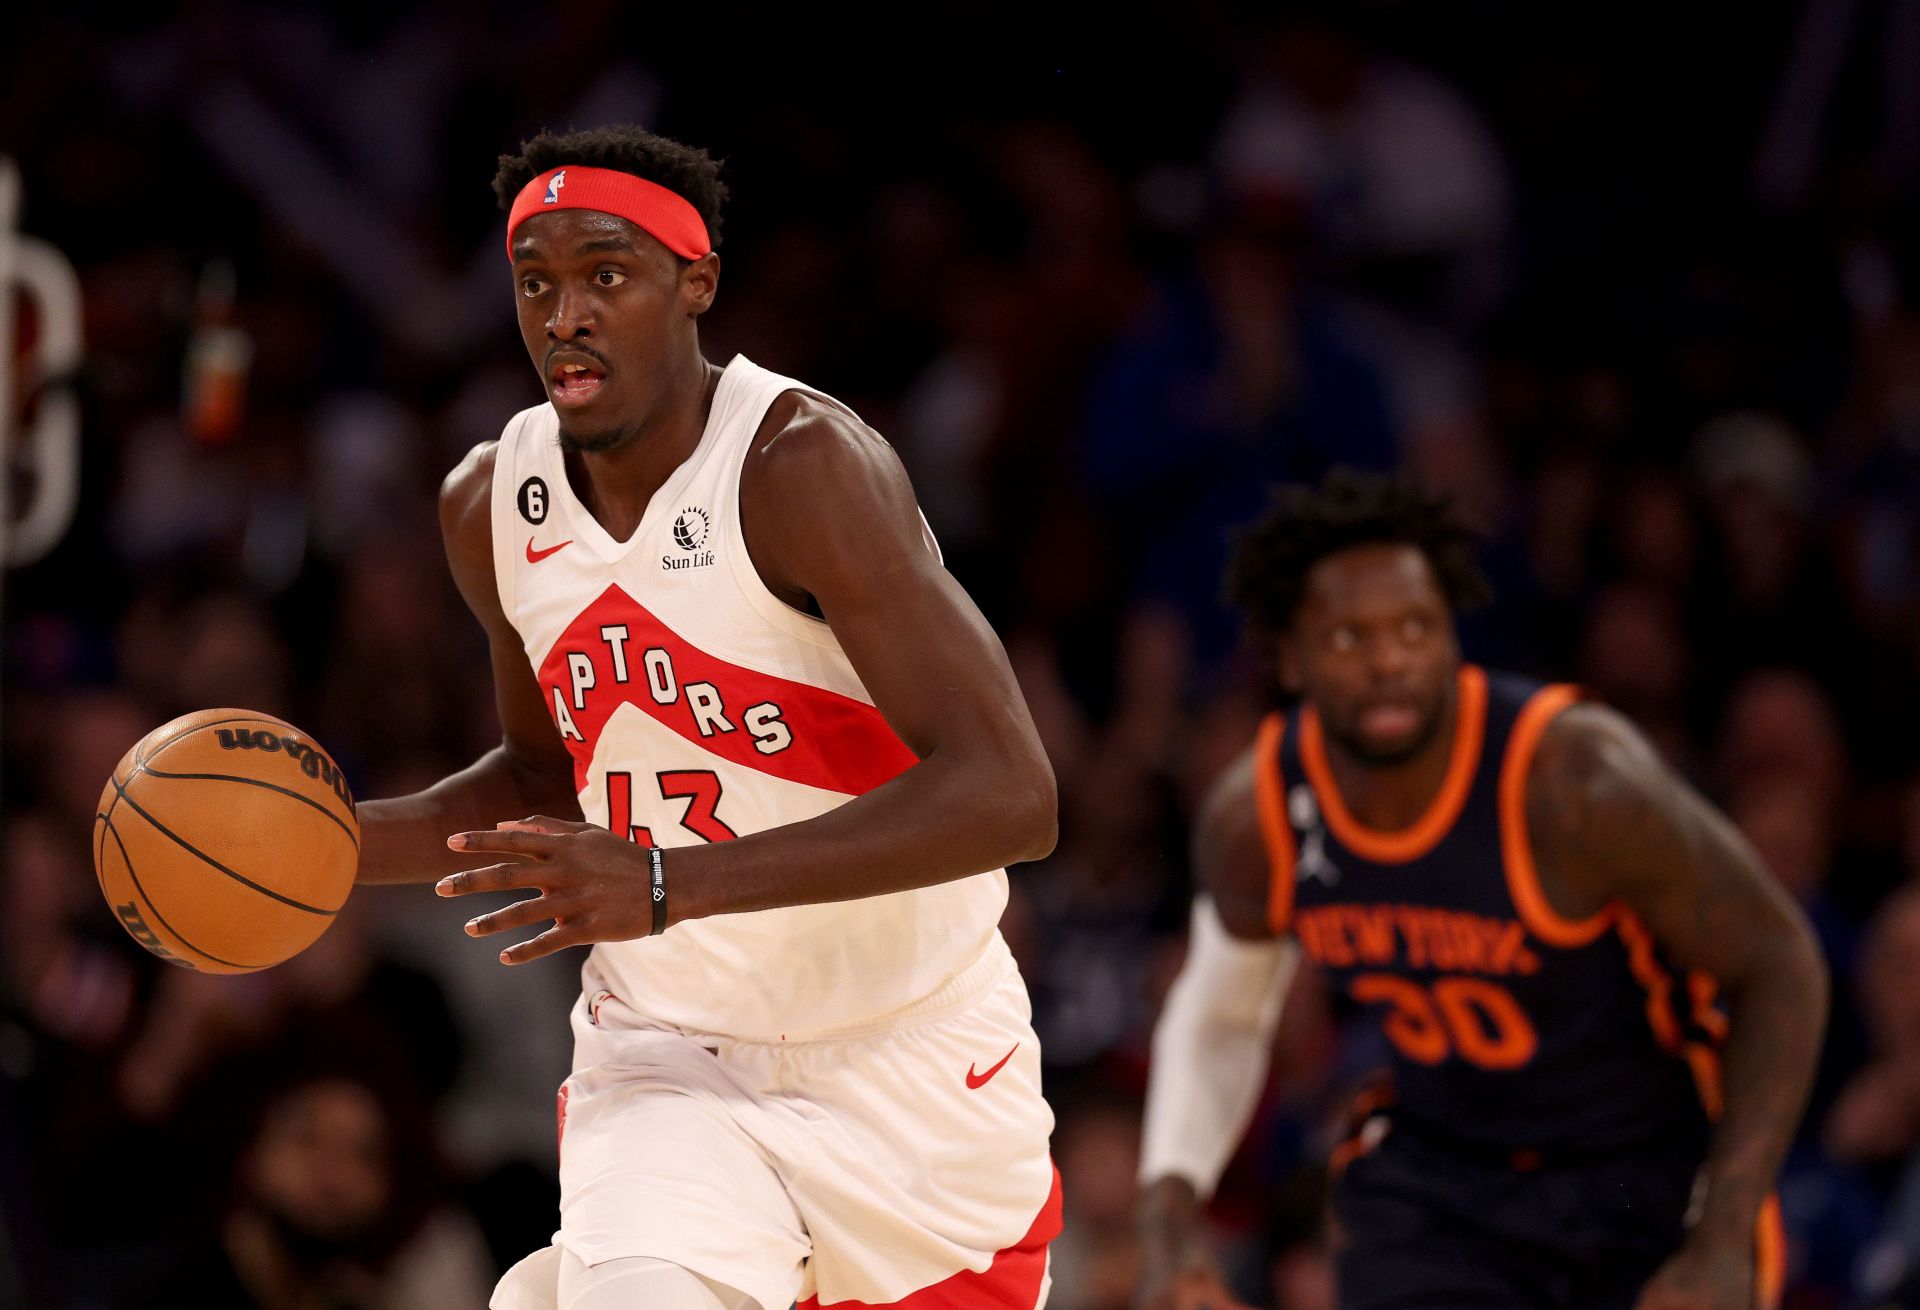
554	184
690	529
690	532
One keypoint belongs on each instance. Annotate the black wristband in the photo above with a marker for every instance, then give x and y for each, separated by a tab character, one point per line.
657	879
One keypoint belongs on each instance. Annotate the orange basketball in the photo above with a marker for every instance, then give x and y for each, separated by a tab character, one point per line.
226	841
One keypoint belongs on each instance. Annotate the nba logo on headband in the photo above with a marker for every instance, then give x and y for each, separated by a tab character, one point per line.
665	215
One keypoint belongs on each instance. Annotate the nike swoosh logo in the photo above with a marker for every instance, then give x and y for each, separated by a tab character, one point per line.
535	556
975	1081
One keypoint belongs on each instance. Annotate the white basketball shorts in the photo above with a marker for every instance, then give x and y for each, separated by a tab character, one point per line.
902	1162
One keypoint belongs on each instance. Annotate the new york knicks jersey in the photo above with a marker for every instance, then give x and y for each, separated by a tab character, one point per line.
1510	1027
699	707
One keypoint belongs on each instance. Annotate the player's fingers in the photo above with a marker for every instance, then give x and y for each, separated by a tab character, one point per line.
506	841
542	824
534	909
488	878
556	938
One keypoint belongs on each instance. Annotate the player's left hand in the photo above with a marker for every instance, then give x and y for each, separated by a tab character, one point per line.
1703	1275
592	885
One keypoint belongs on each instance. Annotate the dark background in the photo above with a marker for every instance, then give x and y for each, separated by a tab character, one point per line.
1641	289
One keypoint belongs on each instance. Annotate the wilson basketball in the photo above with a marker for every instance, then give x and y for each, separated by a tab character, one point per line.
226	841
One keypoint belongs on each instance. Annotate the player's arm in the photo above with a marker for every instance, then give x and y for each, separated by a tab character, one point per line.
1611	823
405	839
829	515
1211	1046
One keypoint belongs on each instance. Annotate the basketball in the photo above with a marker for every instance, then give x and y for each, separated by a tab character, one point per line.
226	841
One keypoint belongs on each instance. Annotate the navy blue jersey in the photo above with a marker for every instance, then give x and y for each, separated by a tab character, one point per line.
1511	1027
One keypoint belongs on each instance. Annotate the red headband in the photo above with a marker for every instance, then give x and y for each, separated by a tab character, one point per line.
662	214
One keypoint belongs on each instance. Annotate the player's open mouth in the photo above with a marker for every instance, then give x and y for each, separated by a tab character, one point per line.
1389	719
575	383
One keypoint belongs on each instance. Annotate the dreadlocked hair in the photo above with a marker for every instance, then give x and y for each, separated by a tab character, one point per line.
1267	575
687	171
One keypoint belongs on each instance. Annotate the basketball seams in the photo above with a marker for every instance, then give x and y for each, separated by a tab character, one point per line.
141	891
253	782
100	852
194	735
283	730
136	807
106	820
211	723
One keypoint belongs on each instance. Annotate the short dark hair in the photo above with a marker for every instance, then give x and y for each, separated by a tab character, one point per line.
688	171
1268	572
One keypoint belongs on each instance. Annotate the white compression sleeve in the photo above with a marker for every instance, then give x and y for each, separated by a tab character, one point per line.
1210	1050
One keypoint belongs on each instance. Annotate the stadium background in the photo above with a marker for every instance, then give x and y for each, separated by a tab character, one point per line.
1644	294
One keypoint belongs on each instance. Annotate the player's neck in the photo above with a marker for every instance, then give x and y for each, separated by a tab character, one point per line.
1391	797
616	485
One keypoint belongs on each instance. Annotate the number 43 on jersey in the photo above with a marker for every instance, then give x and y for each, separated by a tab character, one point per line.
700	788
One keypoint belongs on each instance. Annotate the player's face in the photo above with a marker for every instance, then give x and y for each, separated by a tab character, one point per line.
1373	650
607	314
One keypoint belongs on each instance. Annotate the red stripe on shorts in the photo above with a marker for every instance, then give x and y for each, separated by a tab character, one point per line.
1011	1282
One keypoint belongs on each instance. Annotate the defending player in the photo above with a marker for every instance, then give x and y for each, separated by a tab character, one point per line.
1540	916
722	635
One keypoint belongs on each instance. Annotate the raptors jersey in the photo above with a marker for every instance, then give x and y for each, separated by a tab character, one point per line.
1511	1027
698	707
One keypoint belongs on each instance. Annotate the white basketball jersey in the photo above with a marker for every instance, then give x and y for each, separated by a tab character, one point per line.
699	707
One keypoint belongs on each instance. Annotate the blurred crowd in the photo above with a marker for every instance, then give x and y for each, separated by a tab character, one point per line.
1644	297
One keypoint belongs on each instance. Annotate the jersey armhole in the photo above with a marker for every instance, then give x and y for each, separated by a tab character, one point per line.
795	623
1276	834
1516	845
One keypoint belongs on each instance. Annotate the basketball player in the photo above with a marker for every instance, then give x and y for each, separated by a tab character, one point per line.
782	762
1540	916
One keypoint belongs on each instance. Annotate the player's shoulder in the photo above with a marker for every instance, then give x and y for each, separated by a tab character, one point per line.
466	491
1230	859
1228	826
1230	800
1589	741
1593	771
808	440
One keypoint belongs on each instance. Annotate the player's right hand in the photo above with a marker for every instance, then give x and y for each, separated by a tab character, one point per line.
1189	1289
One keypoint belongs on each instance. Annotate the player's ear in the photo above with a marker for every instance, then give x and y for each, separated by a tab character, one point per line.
698	282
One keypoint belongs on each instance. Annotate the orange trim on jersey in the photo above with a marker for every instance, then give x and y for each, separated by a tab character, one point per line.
1655	979
1270	797
1410	843
1702	1060
1705	991
1345	1154
1770	1254
1371	1101
1523	876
